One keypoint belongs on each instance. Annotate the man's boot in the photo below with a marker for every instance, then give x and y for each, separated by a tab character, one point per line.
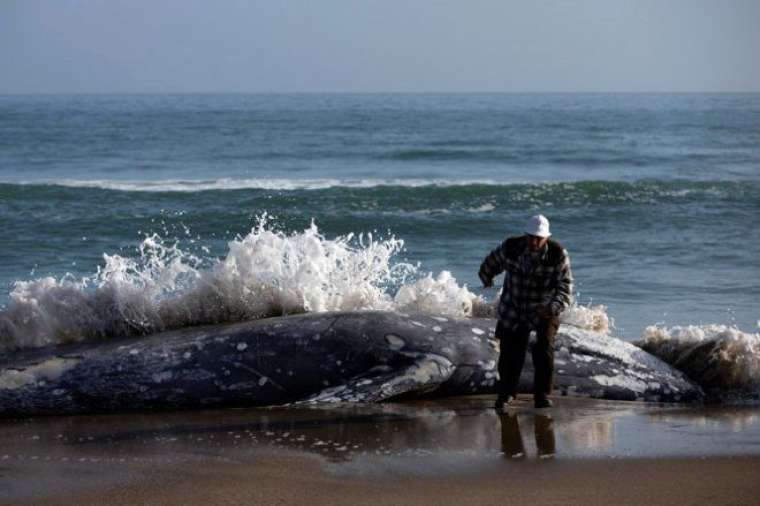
541	401
503	401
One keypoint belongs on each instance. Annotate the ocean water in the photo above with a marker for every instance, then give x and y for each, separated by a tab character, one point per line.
125	212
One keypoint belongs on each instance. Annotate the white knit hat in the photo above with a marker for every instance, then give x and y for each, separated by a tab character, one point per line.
538	225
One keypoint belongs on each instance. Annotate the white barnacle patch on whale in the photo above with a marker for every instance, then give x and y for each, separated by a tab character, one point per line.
437	329
414	322
263	381
440	319
620	381
160	377
394	341
426	370
48	370
477	331
241	346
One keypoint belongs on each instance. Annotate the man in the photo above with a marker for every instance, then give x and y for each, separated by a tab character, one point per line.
538	286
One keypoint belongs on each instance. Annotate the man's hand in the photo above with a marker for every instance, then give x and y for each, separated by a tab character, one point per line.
543	312
487	282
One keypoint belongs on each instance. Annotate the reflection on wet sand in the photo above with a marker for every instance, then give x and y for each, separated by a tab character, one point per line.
731	418
512	441
464	428
545	442
590	434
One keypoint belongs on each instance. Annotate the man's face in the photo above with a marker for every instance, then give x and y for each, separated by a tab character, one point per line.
535	243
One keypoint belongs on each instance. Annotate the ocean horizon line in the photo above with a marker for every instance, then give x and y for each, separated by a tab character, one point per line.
376	92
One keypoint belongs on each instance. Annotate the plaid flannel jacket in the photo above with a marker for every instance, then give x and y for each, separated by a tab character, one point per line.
548	281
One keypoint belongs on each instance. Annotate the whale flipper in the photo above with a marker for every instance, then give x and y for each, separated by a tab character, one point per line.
425	374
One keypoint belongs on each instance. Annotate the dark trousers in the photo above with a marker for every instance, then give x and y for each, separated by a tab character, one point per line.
514	345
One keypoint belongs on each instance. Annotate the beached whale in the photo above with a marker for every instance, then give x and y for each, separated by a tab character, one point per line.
316	357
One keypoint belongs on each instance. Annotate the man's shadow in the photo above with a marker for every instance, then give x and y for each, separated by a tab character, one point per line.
512	441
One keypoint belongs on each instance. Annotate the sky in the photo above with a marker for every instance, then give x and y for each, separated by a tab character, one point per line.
187	46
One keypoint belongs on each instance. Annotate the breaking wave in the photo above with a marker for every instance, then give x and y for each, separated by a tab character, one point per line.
265	273
484	194
719	358
278	184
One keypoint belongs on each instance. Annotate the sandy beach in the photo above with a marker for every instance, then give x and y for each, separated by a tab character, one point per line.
301	480
449	451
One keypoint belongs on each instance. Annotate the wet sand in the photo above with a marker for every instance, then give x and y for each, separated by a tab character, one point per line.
450	451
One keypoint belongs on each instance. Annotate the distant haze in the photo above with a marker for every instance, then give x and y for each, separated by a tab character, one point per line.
389	45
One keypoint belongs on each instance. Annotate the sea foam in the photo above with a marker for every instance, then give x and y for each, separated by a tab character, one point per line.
265	273
279	184
718	357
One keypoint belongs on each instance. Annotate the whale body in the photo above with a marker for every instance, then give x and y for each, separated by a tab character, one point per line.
363	356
